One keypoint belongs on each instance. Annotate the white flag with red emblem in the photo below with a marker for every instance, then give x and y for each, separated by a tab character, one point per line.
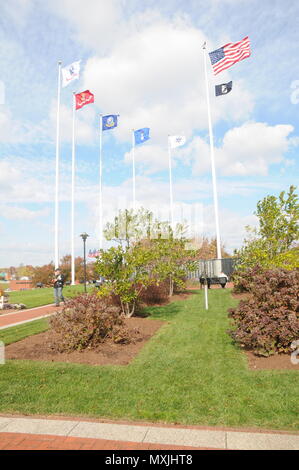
70	73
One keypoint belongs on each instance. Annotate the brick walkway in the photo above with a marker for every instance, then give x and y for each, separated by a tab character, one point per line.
78	434
19	441
23	316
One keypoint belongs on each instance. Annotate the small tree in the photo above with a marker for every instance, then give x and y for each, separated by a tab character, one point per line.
173	261
154	252
272	243
127	273
43	274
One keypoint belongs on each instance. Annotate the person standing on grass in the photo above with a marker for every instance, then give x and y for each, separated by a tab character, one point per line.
58	282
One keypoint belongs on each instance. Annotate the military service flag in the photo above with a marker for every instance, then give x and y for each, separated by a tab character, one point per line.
141	135
109	121
70	73
83	98
223	89
176	140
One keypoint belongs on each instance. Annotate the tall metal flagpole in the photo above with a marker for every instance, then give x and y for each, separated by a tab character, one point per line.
56	224
101	195
212	159
133	168
73	197
170	184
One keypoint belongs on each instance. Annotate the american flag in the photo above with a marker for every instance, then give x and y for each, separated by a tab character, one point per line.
229	54
93	254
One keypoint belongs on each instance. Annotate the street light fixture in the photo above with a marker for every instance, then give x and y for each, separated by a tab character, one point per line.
84	238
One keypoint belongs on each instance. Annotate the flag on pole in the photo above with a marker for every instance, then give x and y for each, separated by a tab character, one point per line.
228	55
176	140
109	121
223	89
70	73
83	98
93	253
141	135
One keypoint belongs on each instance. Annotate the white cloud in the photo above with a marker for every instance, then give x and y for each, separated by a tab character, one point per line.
96	23
17	10
232	226
154	78
21	213
246	150
85	132
149	158
14	131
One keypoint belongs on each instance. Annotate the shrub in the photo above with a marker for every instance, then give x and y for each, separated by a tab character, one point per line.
268	321
155	293
85	322
244	279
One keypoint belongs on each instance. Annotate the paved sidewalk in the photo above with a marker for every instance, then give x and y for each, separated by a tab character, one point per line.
36	433
24	316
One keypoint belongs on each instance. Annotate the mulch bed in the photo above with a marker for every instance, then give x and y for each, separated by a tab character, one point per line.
277	361
37	347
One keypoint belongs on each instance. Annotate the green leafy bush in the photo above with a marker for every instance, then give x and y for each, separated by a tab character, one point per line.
85	322
268	321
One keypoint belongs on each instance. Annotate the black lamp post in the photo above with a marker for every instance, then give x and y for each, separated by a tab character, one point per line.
84	237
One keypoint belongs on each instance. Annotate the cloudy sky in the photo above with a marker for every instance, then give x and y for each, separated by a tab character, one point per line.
143	61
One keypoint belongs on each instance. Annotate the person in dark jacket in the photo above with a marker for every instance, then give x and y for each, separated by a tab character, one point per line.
58	282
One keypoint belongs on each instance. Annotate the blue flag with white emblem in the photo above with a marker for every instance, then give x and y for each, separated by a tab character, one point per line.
142	135
109	121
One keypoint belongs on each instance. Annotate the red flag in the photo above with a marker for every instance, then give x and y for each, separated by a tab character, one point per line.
84	98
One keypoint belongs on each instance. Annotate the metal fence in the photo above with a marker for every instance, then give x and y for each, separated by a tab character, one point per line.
213	267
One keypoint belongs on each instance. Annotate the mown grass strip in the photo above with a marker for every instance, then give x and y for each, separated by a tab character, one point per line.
38	297
17	333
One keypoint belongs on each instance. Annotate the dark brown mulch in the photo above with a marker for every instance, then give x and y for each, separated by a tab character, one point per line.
277	361
37	347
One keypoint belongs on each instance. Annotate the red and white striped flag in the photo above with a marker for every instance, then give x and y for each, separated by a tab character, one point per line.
228	55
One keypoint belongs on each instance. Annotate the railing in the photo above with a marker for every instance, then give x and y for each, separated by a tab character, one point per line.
213	267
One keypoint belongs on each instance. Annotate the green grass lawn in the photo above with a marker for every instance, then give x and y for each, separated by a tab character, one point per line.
37	297
16	333
188	373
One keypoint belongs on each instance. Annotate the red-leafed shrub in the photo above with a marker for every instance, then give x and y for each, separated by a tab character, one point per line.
244	279
85	322
268	321
155	293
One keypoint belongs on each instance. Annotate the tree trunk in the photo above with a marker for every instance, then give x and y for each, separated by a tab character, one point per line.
171	286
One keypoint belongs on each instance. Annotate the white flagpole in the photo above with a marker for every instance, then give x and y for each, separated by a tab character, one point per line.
170	184
133	168
101	195
212	159
73	197
56	224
